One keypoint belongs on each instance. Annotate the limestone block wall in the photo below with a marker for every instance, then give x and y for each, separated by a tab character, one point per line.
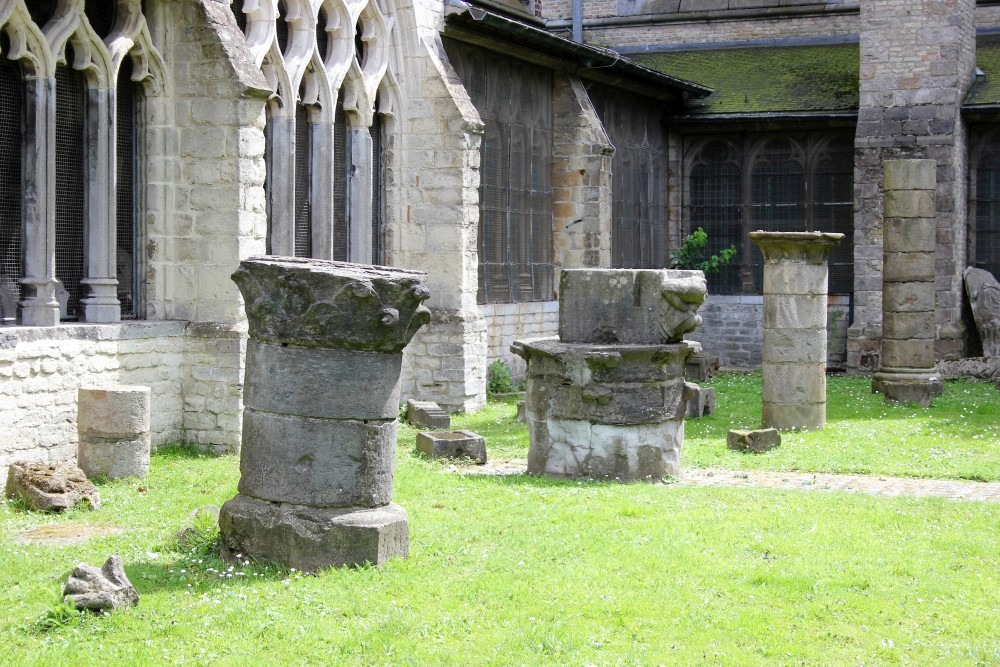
916	69
194	375
733	328
507	322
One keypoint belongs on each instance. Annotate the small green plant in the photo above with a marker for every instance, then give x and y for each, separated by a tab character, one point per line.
59	615
498	378
691	254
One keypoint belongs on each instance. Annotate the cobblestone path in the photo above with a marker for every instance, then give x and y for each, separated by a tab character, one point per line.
875	485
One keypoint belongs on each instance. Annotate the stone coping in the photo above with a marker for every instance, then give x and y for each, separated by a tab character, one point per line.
130	330
553	345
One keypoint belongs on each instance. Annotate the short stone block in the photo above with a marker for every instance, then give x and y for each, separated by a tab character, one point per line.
701	367
702	403
756	442
453	445
427	414
113	428
522	414
312	538
917	392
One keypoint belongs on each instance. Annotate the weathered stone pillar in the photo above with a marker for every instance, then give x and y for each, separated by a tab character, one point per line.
113	427
794	355
607	399
908	372
322	401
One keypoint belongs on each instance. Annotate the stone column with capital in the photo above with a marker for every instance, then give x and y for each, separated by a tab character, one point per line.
795	304
321	406
908	372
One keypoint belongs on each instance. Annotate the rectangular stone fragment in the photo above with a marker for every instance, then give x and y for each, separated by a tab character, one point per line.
427	414
758	441
453	445
909	174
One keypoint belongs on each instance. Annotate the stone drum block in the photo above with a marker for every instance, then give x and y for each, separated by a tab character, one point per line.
113	428
701	403
453	445
321	409
427	414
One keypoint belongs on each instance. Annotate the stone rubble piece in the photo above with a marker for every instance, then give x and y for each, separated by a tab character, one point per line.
756	441
701	367
606	399
113	431
427	414
983	290
50	487
101	589
702	402
453	445
321	412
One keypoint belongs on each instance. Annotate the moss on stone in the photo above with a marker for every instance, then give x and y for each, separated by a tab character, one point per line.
768	79
987	88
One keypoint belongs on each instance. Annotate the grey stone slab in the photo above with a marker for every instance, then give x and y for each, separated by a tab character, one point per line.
453	445
756	442
983	290
427	414
317	462
319	382
629	306
312	539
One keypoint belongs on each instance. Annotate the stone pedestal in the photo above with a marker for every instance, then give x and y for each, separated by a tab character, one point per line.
794	355
607	398
908	372
113	427
321	406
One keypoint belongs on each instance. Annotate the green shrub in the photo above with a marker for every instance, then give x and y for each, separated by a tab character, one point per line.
691	254
498	378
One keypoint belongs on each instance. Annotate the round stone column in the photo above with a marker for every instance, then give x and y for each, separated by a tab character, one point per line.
795	304
321	396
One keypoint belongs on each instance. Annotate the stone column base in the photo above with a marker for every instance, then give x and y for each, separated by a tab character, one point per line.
902	387
311	538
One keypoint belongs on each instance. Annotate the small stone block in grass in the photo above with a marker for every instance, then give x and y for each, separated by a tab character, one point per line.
756	442
702	403
427	414
522	415
453	445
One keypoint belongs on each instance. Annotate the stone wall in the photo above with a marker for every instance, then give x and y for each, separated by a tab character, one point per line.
507	322
733	329
916	70
194	374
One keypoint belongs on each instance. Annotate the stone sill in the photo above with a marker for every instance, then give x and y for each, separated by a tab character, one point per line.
11	336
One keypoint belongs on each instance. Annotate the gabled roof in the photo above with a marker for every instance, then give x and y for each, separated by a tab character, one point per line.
820	79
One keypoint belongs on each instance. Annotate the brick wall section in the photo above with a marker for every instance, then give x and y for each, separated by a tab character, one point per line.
733	329
508	322
187	370
916	70
581	180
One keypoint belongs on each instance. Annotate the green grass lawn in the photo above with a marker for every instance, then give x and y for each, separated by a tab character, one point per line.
531	571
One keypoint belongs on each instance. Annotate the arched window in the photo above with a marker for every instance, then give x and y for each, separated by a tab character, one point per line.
11	120
378	186
126	203
303	202
70	134
984	241
715	196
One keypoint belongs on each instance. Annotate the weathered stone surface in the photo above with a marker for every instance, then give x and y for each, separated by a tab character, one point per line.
317	462
795	311
521	414
909	297
983	290
100	589
904	267
913	390
916	353
909	174
311	539
427	414
702	402
911	234
794	416
319	303
50	487
700	367
322	383
758	441
629	306
113	431
453	445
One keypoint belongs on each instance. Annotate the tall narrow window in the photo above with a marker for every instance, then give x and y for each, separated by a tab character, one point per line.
714	206
126	114
303	157
11	122
514	99
378	184
341	157
70	105
833	209
639	179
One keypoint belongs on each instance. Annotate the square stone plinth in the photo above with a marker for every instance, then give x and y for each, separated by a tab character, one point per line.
312	538
427	414
453	445
917	391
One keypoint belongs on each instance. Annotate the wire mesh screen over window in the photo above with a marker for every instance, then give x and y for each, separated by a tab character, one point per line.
341	156
514	100
303	157
986	205
125	202
378	182
69	188
639	179
787	182
11	97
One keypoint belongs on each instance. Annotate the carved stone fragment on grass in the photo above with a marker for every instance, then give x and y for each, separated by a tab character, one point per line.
984	296
758	441
47	487
100	589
